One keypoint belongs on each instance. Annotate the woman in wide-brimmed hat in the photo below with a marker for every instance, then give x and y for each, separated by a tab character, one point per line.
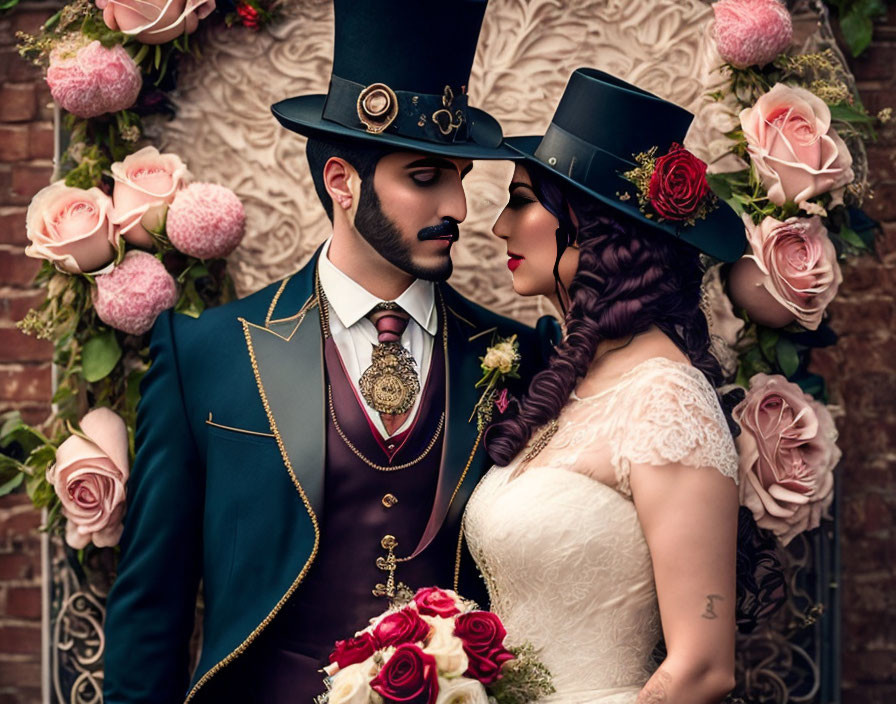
611	517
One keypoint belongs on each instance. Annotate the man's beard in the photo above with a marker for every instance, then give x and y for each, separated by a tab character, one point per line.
383	235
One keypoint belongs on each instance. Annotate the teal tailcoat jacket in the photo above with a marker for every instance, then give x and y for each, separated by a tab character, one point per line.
227	484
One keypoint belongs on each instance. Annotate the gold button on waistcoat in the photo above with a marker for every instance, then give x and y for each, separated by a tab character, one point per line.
389	500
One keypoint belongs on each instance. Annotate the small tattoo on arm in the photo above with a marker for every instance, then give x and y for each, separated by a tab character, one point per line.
710	612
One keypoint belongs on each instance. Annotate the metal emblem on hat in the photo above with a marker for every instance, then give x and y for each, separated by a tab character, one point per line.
377	107
443	117
390	384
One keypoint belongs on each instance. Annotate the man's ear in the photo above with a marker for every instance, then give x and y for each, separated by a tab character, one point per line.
342	183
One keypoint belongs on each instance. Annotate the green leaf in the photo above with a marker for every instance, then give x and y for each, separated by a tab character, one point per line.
851	237
39	490
844	112
157	59
8	486
857	29
788	357
768	340
99	356
41	457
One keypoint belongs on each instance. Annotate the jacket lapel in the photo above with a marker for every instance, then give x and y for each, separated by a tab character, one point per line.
286	352
459	470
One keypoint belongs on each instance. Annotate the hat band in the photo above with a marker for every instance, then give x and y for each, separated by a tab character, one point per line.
585	163
377	108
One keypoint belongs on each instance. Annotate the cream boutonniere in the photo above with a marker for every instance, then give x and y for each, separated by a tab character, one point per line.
501	362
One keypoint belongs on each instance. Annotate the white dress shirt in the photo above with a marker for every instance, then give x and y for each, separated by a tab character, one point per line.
355	335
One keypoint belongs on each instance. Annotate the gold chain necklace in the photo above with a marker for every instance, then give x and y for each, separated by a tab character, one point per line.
542	440
369	463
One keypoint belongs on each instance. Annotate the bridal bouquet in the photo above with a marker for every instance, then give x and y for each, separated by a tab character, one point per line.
437	648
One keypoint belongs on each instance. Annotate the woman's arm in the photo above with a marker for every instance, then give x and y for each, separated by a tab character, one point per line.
689	518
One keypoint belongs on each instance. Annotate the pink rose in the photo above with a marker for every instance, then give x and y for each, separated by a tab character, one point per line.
751	32
131	296
206	221
154	21
790	141
146	183
787	451
89	478
798	264
91	80
433	601
71	227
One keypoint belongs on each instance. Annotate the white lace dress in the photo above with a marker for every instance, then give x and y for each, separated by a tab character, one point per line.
563	554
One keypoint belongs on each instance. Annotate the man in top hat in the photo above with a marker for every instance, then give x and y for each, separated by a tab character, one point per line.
307	452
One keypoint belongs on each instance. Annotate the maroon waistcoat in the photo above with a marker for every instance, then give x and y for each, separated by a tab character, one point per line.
336	598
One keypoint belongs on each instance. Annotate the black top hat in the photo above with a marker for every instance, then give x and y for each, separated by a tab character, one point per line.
400	75
601	123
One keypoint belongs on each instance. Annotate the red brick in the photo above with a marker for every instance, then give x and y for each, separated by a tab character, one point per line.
23	602
14	306
875	64
31	382
21	672
22	71
17	566
18	102
44	102
12	225
41	140
13	142
16	346
28	179
16	269
29	21
34	414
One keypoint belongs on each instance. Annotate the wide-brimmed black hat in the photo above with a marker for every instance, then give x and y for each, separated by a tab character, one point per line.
400	75
601	123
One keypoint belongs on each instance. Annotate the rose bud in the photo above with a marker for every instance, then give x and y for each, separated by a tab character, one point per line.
410	675
131	296
751	32
71	228
89	478
90	79
433	601
206	221
787	451
146	183
794	150
483	635
404	626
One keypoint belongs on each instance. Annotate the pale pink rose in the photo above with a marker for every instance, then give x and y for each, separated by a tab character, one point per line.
89	478
788	452
91	80
800	265
746	283
146	183
71	227
792	146
155	21
751	32
131	296
206	221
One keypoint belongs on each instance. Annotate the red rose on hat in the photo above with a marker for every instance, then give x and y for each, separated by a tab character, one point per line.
678	185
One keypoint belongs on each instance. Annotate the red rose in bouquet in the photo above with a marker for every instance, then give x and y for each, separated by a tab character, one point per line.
352	650
483	636
403	626
678	185
410	675
433	601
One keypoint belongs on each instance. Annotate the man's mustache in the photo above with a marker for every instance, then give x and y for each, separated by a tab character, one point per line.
445	230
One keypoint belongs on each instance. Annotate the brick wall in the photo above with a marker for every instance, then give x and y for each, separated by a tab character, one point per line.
26	153
861	370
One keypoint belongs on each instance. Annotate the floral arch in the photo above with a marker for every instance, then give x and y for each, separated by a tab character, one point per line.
209	110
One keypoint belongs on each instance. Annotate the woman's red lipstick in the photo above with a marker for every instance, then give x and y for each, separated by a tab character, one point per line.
514	261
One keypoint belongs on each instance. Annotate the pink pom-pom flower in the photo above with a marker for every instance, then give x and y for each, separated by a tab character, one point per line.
206	221
751	32
131	296
91	79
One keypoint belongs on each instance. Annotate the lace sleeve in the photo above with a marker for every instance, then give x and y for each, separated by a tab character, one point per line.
671	414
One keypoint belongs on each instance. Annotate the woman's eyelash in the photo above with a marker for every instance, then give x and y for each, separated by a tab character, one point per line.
519	201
